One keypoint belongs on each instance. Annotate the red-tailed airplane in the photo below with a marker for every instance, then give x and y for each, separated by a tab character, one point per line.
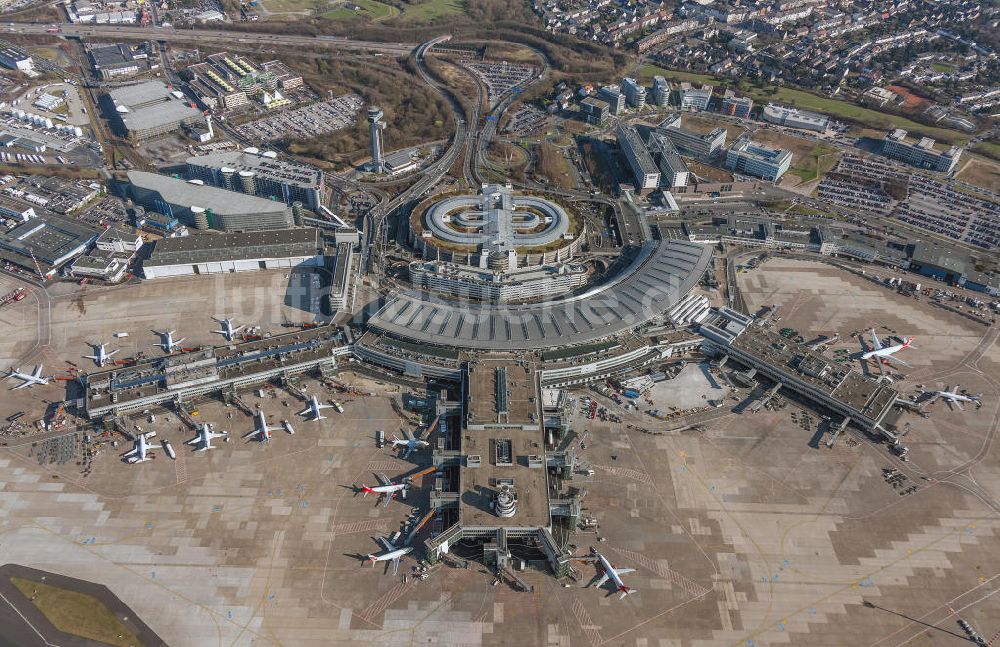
386	491
887	353
609	571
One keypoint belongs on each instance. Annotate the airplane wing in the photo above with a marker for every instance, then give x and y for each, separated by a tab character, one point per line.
304	411
112	352
958	403
899	361
382	479
602	581
395	566
21	386
876	344
623	571
388	544
407	452
193	441
130	453
386	498
93	357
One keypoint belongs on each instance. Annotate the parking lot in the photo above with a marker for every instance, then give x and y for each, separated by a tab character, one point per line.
310	121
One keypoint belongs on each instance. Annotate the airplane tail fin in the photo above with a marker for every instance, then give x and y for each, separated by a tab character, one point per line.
908	342
371	558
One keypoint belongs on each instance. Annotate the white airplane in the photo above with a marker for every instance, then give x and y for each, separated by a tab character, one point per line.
140	452
887	353
409	445
955	399
204	438
99	356
608	571
29	379
168	343
313	411
261	428
386	491
392	554
228	331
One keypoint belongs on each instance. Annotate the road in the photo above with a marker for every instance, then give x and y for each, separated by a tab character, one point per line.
199	36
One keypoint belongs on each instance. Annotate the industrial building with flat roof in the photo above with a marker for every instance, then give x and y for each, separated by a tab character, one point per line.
795	118
206	207
151	109
921	153
260	173
121	60
234	252
16	58
47	239
748	158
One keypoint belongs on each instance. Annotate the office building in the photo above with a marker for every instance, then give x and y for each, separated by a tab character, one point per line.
644	170
594	111
151	109
375	128
234	252
635	94
795	118
735	106
614	98
206	207
254	172
748	158
921	154
230	81
661	91
695	98
16	58
689	142
673	170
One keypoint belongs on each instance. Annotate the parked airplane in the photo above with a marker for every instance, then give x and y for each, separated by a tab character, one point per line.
203	440
607	570
392	554
100	356
954	398
314	409
386	491
168	343
228	331
261	429
29	379
887	353
410	445
140	452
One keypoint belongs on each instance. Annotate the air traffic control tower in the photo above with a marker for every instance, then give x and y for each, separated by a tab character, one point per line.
502	486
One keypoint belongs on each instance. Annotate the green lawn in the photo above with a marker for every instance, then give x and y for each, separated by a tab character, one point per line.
432	9
988	149
818	162
77	614
808	101
943	68
290	6
378	11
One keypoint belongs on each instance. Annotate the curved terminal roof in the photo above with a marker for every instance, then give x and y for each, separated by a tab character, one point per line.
660	275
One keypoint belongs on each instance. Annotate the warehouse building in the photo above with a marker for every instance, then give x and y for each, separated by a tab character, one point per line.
262	174
921	154
48	240
121	60
234	252
150	109
748	158
16	58
206	207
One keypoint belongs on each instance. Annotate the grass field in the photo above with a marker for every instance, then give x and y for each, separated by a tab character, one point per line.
76	614
377	10
980	172
943	68
432	9
988	149
290	6
815	163
808	101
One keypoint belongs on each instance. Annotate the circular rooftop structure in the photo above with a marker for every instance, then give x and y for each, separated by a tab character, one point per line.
496	224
